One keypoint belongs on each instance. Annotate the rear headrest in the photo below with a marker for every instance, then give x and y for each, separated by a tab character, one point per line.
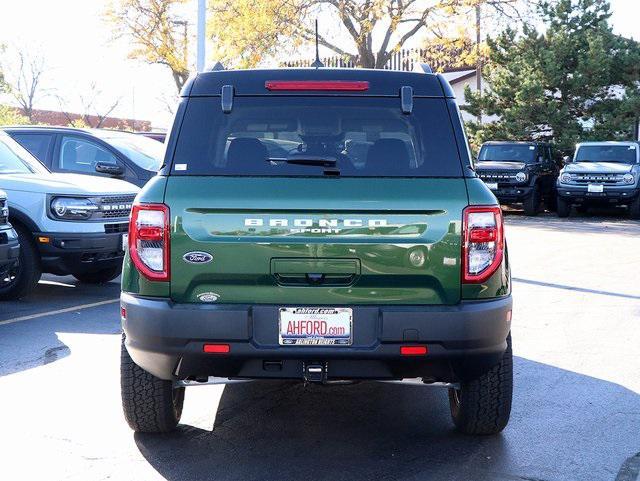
247	152
387	152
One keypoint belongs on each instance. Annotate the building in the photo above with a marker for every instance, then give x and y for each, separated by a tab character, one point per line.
58	118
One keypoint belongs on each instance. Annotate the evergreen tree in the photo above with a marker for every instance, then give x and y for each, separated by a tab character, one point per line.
574	81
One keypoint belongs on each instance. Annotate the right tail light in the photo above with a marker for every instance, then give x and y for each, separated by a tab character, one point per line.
482	242
149	240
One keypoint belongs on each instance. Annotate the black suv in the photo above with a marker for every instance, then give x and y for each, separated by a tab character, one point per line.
107	153
520	173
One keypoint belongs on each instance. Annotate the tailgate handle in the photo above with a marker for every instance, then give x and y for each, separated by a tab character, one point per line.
315	272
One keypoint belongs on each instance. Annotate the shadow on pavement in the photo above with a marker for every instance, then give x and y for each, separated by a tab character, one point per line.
56	292
564	426
33	340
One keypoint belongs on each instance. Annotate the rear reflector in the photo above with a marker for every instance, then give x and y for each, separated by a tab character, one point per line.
297	85
216	348
123	313
413	350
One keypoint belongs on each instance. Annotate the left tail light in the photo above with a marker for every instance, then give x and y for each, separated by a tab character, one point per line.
149	240
482	242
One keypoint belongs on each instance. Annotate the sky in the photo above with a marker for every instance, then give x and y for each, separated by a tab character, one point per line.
80	51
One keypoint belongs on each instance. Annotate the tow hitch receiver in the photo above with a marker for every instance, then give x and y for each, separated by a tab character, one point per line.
314	371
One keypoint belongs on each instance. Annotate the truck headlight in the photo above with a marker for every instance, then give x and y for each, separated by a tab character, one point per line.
566	178
628	178
521	176
72	208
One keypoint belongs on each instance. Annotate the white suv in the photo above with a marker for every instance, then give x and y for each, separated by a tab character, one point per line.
66	223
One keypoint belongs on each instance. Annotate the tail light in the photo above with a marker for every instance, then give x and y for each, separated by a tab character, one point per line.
149	240
482	243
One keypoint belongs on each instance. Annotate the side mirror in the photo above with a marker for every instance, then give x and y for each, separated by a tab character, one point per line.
540	159
109	168
566	160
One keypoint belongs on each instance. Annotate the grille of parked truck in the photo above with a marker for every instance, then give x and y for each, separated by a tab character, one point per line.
601	174
318	225
66	223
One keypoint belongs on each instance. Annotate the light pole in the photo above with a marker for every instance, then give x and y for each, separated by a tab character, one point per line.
202	14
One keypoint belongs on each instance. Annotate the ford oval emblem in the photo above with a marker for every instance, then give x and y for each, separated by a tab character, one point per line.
197	257
208	297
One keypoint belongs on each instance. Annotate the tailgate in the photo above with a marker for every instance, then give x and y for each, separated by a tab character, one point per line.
315	241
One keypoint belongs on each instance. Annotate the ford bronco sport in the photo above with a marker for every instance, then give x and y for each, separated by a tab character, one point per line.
601	174
65	223
520	173
320	225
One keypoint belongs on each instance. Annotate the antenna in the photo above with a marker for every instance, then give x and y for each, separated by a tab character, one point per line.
317	63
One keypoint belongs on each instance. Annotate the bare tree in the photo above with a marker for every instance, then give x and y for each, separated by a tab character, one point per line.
94	111
25	86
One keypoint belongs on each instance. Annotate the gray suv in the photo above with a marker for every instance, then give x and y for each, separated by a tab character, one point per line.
66	223
601	174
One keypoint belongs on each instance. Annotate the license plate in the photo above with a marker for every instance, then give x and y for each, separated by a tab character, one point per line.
492	185
125	242
595	188
315	326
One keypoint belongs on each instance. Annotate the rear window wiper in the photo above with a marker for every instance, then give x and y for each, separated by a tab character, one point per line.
308	159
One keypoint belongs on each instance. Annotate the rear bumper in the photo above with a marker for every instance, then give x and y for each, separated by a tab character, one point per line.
611	195
463	341
67	253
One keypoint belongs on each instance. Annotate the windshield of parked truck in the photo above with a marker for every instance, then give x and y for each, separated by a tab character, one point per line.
626	154
15	159
508	153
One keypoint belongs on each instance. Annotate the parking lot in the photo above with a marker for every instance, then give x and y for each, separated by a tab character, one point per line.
576	411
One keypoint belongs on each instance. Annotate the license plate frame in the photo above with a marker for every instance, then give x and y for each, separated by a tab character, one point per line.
315	326
595	188
492	185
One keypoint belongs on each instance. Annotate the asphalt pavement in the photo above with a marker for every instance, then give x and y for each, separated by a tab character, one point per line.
576	409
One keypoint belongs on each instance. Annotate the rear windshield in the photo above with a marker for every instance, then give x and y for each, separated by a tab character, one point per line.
607	153
508	153
315	136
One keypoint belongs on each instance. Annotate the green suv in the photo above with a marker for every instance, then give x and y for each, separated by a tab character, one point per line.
319	225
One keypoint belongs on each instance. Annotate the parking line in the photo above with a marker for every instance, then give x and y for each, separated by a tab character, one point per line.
59	311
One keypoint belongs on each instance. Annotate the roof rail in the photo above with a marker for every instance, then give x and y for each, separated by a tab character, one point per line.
217	67
422	67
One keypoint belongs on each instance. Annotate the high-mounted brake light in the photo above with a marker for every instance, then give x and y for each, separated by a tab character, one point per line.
298	85
149	240
482	242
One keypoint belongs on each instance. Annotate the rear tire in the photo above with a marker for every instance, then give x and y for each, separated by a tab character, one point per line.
483	405
532	203
634	208
150	404
564	208
99	277
22	278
